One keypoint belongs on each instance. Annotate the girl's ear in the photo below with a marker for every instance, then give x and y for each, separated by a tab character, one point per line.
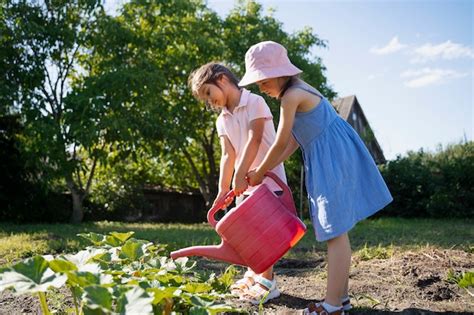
222	78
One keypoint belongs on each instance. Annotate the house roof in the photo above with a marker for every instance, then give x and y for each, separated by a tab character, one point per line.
344	105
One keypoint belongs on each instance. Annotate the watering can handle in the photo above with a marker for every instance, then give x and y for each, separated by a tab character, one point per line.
286	198
218	206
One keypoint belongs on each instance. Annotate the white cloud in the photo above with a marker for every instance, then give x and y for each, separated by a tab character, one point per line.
393	46
447	50
427	76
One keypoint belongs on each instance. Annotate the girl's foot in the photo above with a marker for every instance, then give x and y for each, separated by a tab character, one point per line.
319	309
262	291
241	286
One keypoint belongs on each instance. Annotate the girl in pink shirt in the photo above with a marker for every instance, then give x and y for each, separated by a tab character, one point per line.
246	132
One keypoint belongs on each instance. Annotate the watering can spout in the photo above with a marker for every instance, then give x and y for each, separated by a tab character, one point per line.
222	252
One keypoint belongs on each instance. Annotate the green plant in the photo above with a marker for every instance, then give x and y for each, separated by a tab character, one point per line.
362	297
121	274
375	252
464	280
432	184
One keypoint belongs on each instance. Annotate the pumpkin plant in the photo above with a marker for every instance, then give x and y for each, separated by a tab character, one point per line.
119	274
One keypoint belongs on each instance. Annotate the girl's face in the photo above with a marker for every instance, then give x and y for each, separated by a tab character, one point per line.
271	87
212	95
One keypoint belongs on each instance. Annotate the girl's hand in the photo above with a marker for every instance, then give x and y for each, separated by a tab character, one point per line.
254	178
221	194
240	185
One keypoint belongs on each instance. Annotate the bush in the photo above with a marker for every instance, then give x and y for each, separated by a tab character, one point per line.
437	184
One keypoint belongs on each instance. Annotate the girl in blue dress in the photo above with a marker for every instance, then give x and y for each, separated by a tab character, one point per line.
343	183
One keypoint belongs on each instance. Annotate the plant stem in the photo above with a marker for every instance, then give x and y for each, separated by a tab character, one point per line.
75	300
44	305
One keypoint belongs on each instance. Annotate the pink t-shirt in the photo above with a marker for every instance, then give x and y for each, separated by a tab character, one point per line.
236	127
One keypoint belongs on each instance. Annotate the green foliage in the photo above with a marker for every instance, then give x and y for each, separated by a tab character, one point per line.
107	95
432	184
120	274
375	252
464	280
142	51
47	38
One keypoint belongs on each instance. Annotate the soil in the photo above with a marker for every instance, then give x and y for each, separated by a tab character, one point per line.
406	283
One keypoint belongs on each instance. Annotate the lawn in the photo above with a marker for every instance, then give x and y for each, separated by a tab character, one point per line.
21	241
398	264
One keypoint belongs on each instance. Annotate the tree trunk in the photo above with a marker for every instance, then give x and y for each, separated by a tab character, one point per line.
203	187
77	199
77	209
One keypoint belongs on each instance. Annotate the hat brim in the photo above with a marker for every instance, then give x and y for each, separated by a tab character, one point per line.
259	75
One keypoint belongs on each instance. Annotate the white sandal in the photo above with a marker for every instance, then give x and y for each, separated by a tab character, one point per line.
243	285
262	291
319	309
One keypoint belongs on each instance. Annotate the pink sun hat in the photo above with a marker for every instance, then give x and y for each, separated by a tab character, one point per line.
267	60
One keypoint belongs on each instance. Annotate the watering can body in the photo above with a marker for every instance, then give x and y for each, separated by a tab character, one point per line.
257	232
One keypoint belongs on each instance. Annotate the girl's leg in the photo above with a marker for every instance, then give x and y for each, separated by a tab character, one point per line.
339	262
346	287
268	274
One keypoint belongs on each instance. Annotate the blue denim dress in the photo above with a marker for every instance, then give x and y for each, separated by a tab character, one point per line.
343	183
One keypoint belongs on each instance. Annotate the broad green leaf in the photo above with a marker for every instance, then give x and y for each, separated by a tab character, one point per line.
90	311
112	241
123	237
195	287
181	265
104	257
94	238
30	276
83	279
83	257
223	282
167	279
60	265
133	249
161	293
167	264
97	297
198	310
135	301
197	301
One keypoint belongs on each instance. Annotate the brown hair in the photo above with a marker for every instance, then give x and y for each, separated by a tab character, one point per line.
291	81
209	74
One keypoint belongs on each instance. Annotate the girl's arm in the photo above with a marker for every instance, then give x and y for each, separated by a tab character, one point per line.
249	153
290	149
226	167
273	157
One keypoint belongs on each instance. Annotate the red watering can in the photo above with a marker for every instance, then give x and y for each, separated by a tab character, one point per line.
256	233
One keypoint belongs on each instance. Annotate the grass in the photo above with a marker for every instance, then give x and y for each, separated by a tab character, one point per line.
382	236
377	238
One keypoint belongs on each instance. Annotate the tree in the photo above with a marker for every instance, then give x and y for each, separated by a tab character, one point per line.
162	42
167	40
45	40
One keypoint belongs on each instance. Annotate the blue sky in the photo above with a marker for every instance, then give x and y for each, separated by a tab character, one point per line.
410	63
